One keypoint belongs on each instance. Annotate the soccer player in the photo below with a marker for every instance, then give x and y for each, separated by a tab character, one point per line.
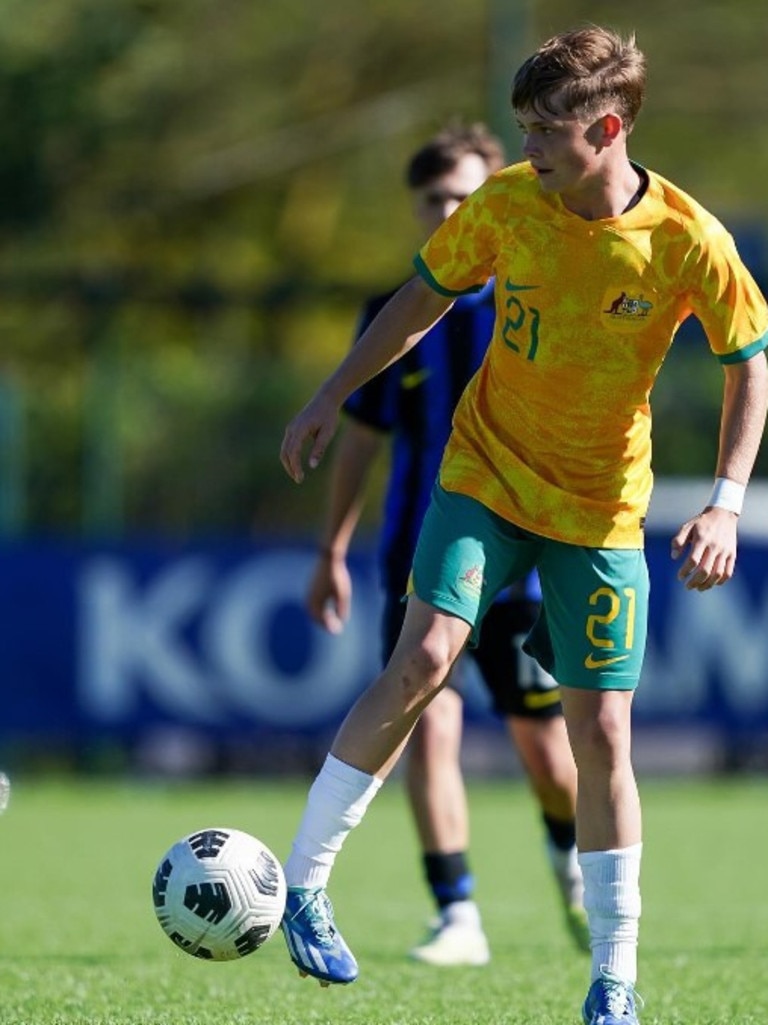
549	465
413	401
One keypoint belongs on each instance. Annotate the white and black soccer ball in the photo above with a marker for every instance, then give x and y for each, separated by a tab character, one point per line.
219	894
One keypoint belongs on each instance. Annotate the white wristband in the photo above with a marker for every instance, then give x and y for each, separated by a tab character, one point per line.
727	494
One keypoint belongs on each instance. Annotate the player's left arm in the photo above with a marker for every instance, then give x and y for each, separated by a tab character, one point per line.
708	541
411	312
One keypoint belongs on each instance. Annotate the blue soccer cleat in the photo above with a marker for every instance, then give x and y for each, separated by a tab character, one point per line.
315	945
610	1001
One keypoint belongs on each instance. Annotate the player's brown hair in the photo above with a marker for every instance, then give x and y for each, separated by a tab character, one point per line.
443	152
583	71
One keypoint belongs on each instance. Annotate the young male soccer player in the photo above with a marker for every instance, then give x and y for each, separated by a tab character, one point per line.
413	401
549	464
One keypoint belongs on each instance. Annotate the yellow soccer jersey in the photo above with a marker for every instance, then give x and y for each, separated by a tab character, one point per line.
554	431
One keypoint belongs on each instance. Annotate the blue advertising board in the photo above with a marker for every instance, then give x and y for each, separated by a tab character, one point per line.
115	640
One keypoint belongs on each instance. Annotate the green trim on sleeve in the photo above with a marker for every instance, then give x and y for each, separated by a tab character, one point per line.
747	352
425	273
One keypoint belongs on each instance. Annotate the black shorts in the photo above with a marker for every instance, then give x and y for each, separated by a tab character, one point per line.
516	682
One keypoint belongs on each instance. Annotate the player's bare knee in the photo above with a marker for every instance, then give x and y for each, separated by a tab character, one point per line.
426	665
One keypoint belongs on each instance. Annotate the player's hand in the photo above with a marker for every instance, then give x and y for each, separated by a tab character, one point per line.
316	424
329	597
708	545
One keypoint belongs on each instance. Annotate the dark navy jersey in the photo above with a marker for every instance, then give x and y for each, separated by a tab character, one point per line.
413	400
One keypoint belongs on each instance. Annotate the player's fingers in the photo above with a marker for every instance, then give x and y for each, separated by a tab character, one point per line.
328	620
696	567
730	566
689	567
722	570
319	445
343	604
680	540
702	581
714	568
315	604
331	618
290	454
695	580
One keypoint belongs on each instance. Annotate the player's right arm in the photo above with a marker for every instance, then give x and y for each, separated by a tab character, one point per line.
400	325
708	541
329	597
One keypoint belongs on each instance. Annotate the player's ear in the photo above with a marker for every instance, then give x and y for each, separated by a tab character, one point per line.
611	125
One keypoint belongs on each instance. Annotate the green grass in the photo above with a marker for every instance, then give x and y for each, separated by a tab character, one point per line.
79	942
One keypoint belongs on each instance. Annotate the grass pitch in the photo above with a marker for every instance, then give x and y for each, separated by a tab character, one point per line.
79	942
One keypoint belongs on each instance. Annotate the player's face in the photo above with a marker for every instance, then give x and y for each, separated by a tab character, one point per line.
564	150
437	200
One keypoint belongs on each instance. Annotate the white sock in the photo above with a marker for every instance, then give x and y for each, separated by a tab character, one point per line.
612	901
565	865
336	803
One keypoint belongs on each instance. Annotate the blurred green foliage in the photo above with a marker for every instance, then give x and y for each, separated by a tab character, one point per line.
195	196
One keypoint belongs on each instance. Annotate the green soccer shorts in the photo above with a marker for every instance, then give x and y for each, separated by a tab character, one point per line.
591	630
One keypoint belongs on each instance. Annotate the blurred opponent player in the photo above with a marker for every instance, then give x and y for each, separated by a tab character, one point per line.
412	403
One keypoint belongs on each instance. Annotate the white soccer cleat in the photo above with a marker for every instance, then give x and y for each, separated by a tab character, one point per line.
456	939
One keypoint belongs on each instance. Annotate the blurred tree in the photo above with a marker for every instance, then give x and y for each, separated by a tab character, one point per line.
195	194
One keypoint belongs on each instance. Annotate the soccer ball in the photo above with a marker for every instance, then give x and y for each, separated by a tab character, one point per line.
219	894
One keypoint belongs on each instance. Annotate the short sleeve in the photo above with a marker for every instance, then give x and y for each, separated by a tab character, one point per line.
459	257
727	300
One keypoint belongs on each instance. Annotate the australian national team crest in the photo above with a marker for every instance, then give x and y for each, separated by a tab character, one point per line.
626	310
470	581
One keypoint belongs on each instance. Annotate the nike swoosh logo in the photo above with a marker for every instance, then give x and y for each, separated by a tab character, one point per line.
413	380
511	287
590	662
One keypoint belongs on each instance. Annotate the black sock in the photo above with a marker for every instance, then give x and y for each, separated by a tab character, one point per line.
448	877
561	833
